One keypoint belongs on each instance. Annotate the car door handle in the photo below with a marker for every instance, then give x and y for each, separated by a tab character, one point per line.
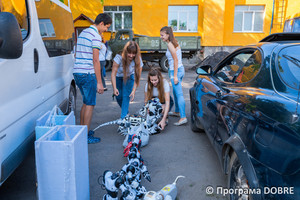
36	60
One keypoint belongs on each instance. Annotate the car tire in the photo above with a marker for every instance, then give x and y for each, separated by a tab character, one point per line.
194	127
164	64
108	65
237	179
72	100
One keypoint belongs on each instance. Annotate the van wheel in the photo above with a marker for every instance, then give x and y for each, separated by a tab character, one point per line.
108	65
164	64
72	100
237	179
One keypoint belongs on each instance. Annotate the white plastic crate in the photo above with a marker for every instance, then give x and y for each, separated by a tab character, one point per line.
51	119
62	163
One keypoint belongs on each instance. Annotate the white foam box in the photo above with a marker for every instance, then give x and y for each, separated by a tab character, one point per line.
62	163
41	129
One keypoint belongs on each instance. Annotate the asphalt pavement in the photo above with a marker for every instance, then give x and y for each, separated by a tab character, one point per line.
175	151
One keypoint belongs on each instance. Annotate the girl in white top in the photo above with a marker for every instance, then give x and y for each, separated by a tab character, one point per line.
176	72
157	86
125	75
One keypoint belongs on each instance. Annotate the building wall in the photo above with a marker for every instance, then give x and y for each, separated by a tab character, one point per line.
215	18
148	17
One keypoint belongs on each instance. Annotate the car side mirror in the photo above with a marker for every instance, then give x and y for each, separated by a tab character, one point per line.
204	70
11	42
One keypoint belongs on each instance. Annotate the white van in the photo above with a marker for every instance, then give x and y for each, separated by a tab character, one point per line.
36	63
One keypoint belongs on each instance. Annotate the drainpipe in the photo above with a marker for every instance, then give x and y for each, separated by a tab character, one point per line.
272	16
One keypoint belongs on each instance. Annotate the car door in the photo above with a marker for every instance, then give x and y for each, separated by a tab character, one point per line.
224	96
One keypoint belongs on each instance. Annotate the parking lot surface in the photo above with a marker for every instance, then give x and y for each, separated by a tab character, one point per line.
175	151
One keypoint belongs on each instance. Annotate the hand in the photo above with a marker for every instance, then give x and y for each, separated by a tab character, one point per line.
132	94
162	124
116	92
100	88
175	80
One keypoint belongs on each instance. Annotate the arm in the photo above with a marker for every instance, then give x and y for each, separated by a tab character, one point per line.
145	99
174	56
132	94
97	69
162	123
113	78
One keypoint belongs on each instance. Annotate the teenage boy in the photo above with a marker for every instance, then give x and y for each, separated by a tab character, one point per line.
87	72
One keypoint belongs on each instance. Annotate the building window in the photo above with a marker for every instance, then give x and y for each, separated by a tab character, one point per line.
248	18
46	28
183	18
121	17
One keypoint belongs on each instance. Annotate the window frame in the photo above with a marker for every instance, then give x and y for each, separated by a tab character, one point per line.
112	27
252	20
177	12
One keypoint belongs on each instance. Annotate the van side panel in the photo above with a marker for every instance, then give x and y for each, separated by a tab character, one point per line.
26	93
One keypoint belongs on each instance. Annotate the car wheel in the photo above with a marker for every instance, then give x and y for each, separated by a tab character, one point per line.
164	64
237	179
108	65
193	117
72	100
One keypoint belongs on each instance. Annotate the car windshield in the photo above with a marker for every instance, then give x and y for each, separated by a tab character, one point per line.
289	66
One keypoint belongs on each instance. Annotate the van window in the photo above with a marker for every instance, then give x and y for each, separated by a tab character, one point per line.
19	10
296	27
288	25
56	27
289	66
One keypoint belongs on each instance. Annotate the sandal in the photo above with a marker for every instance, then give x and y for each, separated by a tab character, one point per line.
174	114
179	123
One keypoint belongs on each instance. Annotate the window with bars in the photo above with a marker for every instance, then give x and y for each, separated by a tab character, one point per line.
183	18
121	17
248	18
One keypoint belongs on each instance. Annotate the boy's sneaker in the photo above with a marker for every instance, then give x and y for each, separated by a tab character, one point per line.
91	133
93	140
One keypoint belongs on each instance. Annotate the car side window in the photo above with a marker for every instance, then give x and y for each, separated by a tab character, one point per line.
231	68
289	66
250	68
19	10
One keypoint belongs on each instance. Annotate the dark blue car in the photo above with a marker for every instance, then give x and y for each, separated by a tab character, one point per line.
249	106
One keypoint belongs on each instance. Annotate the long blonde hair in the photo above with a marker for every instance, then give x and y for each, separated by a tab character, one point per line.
160	85
131	47
168	30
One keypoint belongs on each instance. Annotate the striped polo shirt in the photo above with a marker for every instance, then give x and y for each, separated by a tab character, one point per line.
88	40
